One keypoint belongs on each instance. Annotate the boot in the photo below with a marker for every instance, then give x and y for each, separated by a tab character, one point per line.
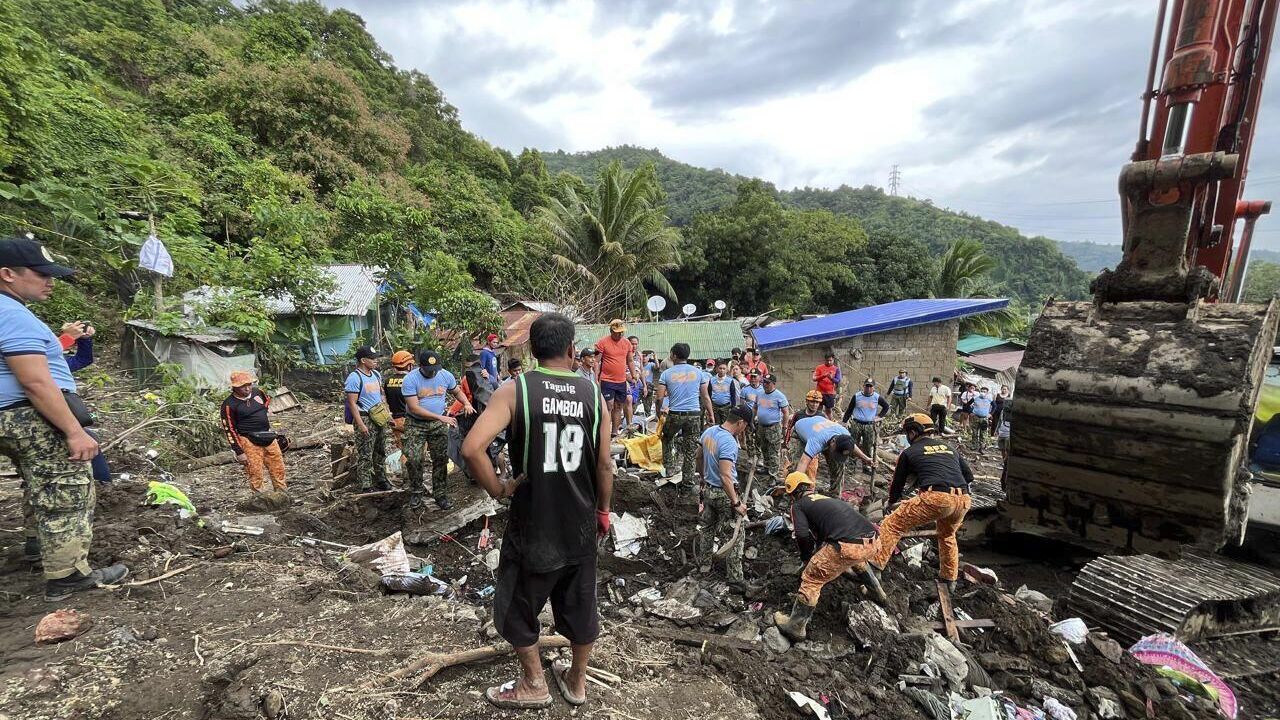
950	585
415	501
794	625
31	551
63	588
444	504
871	577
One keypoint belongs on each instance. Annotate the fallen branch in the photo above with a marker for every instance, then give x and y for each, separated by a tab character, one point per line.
432	663
144	424
322	646
148	581
227	457
376	493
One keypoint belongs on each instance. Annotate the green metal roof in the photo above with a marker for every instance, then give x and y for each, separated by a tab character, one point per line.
973	343
706	338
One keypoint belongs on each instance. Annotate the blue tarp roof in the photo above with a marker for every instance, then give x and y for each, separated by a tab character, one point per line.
874	319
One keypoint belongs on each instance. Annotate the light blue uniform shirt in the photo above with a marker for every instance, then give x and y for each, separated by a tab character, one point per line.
683	383
369	387
982	406
718	444
750	395
22	333
865	407
816	432
432	394
720	389
771	404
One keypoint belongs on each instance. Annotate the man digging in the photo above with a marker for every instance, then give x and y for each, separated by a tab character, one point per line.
559	438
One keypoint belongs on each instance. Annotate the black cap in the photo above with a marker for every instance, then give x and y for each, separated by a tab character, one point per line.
366	352
742	412
770	378
587	352
429	363
16	252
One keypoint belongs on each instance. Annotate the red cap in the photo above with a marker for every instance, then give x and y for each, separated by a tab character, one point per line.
492	336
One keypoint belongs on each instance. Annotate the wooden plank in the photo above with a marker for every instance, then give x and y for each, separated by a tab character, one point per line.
948	615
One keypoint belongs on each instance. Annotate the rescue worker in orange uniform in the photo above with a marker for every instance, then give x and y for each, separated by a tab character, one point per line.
246	421
833	537
941	478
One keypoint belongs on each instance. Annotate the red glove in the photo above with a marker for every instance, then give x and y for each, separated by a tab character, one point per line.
602	523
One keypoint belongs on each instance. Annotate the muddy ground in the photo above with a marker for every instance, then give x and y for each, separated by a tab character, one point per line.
223	639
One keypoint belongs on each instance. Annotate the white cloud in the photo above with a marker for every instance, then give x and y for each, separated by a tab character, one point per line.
1017	110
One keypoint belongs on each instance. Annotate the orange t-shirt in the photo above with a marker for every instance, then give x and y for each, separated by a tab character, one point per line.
615	356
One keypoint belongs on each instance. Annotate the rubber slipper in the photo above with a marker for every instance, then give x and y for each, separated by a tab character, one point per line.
504	696
558	670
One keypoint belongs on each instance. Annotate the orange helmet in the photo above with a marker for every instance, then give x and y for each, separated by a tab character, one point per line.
813	396
401	359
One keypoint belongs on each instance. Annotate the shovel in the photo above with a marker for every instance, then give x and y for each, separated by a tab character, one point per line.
723	550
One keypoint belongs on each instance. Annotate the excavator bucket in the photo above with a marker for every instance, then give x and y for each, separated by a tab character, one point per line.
1132	421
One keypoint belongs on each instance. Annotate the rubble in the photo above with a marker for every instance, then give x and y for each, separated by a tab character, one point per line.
62	625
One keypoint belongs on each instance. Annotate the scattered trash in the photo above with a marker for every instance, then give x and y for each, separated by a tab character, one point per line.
914	555
1105	701
1035	599
387	556
808	705
1165	651
930	702
1072	630
227	526
62	625
776	526
416	584
979	708
483	542
869	623
159	493
395	462
673	610
979	575
1057	710
491	559
628	533
946	659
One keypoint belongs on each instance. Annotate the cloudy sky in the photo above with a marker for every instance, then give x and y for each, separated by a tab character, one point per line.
1018	110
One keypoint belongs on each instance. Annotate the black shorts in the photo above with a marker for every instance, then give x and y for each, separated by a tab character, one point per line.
521	595
828	401
614	392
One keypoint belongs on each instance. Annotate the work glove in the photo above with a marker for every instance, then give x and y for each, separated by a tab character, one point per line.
602	523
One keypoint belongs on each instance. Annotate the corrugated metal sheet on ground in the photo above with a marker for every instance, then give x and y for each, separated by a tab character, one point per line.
356	287
974	342
874	319
706	339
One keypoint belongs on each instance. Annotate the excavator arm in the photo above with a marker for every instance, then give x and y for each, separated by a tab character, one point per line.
1134	410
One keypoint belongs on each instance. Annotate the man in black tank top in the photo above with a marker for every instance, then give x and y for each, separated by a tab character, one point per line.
563	482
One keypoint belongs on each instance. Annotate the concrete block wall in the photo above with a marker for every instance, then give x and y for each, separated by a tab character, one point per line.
924	351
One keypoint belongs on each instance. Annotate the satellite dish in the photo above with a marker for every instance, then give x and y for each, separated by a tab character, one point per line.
656	303
720	305
689	309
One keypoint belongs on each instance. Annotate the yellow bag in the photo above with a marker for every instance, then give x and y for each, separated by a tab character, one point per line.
380	414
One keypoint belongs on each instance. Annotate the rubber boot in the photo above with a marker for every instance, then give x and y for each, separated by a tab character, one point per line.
871	578
63	588
795	625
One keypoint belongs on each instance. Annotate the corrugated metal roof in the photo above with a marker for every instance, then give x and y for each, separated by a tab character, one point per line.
874	319
974	342
355	288
996	362
706	339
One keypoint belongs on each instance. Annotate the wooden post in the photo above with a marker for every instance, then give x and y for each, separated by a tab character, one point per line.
157	280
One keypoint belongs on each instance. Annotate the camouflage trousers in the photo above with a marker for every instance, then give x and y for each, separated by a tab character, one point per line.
716	523
898	405
426	437
864	436
371	456
58	495
978	432
689	429
769	443
720	412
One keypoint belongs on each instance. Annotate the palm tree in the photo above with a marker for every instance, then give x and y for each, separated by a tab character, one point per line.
614	237
964	274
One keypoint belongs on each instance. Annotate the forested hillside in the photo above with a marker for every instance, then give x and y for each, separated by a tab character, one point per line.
1029	269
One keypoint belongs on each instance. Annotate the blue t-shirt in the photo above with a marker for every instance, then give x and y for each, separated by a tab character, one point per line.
22	333
720	389
750	394
683	383
866	407
981	406
771	404
433	393
489	361
816	432
718	444
369	387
